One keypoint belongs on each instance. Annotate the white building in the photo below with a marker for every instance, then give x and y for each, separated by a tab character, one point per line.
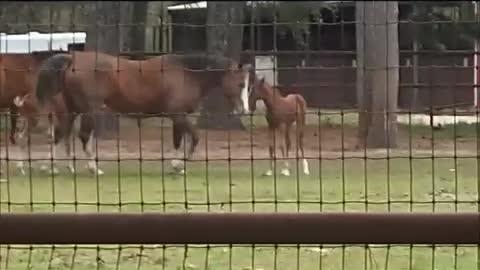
35	41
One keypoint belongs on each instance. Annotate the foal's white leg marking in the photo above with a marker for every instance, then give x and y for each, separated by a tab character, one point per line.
91	165
244	94
306	170
18	101
271	154
285	171
21	141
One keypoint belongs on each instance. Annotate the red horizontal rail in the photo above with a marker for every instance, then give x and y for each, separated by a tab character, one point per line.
240	228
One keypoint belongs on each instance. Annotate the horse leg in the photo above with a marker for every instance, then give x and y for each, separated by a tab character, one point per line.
194	138
68	138
22	144
179	130
271	150
285	148
13	123
56	135
299	136
300	131
87	125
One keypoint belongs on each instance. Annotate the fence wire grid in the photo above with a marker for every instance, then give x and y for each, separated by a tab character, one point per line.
432	166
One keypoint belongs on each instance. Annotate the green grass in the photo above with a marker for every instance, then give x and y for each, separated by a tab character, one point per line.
336	185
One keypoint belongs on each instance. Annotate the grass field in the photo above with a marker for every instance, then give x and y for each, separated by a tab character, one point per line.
349	184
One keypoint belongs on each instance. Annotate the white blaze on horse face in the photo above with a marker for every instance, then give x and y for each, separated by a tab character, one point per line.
18	101
244	94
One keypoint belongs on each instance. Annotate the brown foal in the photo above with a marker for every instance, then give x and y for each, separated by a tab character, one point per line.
282	113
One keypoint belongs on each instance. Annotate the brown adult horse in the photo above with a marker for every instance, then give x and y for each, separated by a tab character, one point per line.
60	127
18	73
167	85
282	113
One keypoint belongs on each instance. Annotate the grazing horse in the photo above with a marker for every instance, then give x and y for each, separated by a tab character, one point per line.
281	113
168	86
60	126
18	73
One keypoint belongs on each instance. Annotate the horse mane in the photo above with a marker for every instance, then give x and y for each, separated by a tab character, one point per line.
275	89
42	55
203	62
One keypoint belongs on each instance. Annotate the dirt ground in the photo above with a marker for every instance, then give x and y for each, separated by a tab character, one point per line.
324	141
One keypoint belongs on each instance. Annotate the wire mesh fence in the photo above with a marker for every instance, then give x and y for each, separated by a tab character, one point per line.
133	165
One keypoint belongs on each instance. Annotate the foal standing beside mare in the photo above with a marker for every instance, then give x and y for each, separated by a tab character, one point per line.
167	85
282	113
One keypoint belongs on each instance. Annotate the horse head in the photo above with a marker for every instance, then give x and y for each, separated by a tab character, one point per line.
236	82
19	101
254	93
26	107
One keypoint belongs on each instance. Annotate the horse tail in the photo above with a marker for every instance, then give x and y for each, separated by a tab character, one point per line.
301	124
51	77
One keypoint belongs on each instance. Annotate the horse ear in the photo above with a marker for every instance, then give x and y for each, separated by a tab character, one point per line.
246	67
262	80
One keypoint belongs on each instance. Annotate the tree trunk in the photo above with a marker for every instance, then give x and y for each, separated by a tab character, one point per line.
414	105
139	15
378	58
222	40
108	37
363	84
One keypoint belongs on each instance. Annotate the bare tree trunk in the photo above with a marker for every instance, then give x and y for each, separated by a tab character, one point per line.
108	37
414	105
139	20
222	40
379	97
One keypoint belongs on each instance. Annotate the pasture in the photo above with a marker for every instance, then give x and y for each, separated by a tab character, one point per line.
430	171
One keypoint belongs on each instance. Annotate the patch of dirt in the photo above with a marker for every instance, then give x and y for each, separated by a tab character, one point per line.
320	142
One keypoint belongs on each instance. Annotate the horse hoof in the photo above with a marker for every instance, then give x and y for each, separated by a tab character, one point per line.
177	164
285	172
96	172
21	168
268	173
71	169
55	171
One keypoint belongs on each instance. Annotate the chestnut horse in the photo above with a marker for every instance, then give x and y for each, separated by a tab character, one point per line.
18	73
60	126
168	86
282	113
